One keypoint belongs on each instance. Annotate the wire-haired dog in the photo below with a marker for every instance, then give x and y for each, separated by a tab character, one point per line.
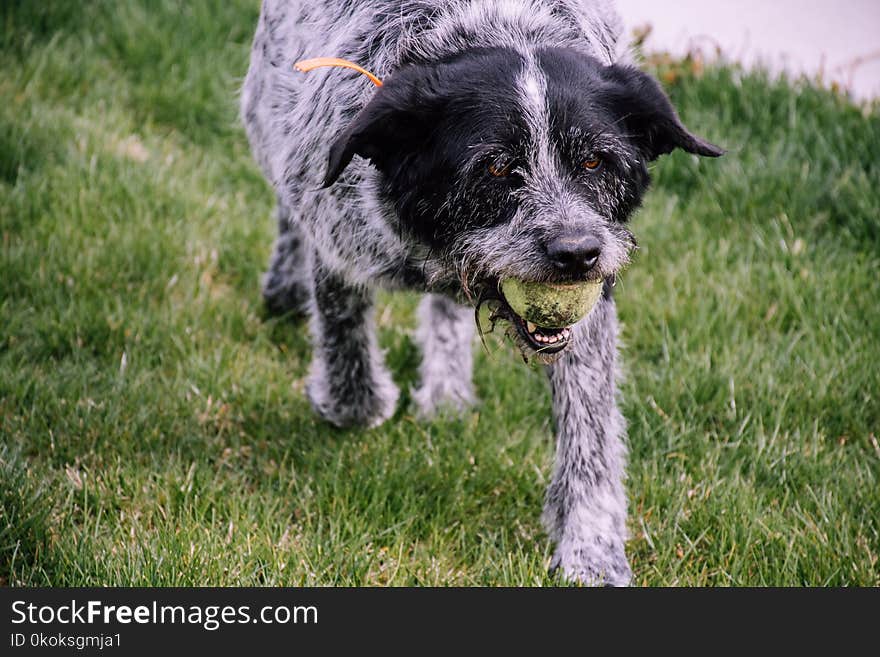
506	142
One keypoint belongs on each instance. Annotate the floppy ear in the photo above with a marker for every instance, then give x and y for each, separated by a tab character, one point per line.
395	121
648	115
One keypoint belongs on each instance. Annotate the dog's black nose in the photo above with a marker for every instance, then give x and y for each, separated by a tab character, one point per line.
574	253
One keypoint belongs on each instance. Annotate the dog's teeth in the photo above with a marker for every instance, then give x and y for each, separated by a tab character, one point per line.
531	327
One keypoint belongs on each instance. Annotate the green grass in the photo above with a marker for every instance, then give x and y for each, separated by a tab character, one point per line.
153	424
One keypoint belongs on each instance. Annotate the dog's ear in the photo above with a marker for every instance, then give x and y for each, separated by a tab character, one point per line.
397	120
648	115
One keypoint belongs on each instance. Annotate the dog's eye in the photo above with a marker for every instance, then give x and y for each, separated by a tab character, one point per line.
592	163
501	166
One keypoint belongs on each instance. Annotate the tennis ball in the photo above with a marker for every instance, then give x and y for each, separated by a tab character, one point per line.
551	305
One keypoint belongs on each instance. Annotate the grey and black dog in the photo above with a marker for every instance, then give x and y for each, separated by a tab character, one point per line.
508	140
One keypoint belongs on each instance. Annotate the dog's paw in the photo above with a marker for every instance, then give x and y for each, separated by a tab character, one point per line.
597	565
362	406
449	397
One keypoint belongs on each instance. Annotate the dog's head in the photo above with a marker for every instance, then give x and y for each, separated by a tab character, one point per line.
506	165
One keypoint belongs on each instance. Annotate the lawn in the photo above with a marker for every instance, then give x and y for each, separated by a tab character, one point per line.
152	418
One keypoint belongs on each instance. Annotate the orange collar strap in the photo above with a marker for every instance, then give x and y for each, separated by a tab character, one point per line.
307	65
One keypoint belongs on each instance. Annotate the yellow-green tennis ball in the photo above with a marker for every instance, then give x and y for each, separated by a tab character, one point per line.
551	305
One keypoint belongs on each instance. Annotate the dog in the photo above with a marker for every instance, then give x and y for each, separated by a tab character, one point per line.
508	139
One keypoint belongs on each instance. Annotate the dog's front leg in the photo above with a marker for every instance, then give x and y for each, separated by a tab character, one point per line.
348	383
585	510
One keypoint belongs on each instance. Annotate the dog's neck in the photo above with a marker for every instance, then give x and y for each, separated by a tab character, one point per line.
432	34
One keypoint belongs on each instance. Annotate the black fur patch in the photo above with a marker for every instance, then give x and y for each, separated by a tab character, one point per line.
433	130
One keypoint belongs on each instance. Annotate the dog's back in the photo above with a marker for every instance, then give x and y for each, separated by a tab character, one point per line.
283	109
279	103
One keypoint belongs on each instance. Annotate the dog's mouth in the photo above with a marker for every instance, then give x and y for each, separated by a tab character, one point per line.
540	338
544	343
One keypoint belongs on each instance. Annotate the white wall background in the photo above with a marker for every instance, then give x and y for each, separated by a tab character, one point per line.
806	36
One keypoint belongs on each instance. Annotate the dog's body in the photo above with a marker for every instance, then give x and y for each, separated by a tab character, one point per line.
472	170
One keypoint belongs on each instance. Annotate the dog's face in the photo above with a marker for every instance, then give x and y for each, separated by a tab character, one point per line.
511	166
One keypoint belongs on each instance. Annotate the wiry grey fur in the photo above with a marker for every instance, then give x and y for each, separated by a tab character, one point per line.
337	245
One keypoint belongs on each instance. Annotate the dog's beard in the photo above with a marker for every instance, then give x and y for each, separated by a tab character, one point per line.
463	272
473	269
